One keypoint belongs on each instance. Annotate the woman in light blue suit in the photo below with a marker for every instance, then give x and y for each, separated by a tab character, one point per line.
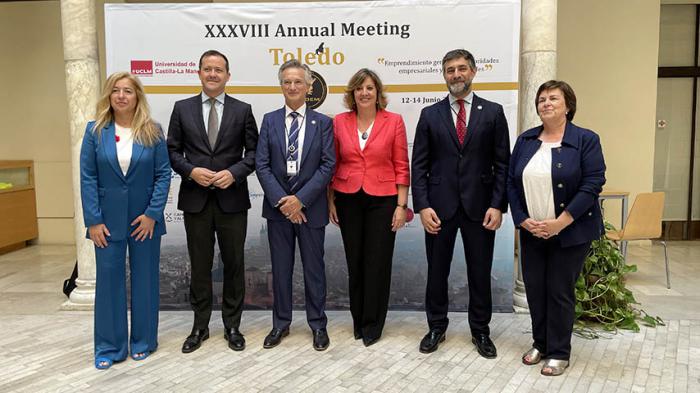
124	181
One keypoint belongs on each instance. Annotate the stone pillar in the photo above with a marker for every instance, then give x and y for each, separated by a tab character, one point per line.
80	56
538	64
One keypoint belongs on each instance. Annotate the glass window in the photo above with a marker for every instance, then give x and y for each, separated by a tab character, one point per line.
677	36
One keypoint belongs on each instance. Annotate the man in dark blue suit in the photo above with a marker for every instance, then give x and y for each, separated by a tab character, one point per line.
460	164
294	161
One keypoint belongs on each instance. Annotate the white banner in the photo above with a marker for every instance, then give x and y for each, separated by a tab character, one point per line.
403	41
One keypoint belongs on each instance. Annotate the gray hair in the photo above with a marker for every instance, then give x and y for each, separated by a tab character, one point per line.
294	63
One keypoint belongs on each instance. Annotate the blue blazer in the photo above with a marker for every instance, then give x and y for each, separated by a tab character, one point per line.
316	166
578	175
446	174
109	197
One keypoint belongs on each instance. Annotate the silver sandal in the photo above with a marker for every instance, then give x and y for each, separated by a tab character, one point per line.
556	365
534	355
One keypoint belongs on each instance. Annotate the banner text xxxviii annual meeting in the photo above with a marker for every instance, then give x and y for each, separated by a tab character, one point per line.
263	30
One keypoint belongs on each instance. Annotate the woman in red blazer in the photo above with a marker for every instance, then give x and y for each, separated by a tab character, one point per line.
368	196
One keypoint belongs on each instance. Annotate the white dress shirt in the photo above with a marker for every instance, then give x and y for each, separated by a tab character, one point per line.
124	146
301	119
363	142
537	183
467	108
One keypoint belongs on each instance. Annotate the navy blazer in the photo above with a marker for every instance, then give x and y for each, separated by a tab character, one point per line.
578	175
109	197
446	174
315	170
188	146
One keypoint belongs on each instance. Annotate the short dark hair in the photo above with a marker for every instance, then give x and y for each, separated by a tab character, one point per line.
212	52
569	96
459	54
356	81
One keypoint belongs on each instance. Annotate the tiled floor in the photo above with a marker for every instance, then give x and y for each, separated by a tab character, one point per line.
44	349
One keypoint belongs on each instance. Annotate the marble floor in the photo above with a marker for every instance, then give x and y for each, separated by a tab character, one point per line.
45	349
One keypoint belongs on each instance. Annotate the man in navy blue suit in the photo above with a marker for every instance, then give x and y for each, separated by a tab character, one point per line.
460	164
294	160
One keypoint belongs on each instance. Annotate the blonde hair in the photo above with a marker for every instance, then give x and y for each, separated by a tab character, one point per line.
144	129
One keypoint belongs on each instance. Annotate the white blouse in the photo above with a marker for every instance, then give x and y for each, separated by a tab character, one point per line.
363	142
537	183
125	143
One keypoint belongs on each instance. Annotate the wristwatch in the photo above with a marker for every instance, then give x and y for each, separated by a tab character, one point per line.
404	206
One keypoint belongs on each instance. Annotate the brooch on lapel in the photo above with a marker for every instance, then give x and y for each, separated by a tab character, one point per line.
116	138
313	121
478	107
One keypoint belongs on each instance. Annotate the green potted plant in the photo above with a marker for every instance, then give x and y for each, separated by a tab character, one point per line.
602	300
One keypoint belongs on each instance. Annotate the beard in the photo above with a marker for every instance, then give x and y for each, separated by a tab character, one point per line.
459	88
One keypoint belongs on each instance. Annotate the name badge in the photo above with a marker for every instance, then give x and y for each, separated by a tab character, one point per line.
292	168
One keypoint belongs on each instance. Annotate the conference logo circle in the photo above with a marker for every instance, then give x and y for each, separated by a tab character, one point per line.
318	91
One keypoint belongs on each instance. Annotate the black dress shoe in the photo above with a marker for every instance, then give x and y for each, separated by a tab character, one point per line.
369	340
194	340
430	341
358	334
275	337
235	339
484	346
321	339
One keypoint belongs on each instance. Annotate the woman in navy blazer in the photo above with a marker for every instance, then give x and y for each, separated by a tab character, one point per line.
555	176
368	196
124	183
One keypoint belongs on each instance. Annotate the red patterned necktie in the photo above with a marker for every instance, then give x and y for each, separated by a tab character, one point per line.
461	122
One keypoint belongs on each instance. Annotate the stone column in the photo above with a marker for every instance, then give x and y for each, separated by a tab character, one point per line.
80	56
538	64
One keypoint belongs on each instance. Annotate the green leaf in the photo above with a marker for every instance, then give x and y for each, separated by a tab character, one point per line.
602	300
649	321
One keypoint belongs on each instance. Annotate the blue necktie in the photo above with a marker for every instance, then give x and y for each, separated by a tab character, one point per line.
293	148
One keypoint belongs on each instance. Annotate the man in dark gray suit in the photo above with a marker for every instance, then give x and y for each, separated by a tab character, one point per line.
211	140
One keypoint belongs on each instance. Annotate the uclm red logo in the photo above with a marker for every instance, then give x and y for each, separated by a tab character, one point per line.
142	67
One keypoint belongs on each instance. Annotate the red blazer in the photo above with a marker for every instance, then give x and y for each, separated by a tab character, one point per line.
381	166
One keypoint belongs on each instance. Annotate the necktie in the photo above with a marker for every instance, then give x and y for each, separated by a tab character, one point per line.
213	123
461	122
293	147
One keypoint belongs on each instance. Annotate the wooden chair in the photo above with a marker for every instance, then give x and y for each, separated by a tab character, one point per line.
644	223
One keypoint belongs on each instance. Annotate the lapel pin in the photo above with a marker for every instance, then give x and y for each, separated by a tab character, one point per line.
478	107
313	121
